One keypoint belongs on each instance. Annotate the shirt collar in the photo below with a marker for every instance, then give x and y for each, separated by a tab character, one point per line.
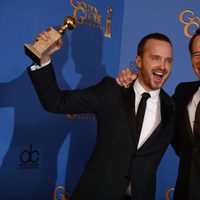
140	90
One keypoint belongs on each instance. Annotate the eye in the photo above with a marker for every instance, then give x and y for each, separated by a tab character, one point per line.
169	61
155	58
196	54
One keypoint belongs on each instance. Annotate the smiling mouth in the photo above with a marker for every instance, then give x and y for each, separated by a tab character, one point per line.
198	68
158	74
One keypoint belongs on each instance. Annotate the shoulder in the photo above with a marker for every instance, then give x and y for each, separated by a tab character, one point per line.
109	81
185	88
164	94
187	85
166	98
109	84
108	88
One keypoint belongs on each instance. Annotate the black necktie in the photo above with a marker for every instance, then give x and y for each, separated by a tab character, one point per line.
197	122
140	112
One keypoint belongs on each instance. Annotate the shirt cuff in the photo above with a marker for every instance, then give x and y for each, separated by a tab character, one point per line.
36	66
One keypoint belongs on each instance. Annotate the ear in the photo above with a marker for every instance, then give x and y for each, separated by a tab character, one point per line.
138	61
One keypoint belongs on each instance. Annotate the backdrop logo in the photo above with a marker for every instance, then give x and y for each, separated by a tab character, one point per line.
89	15
169	193
191	22
29	159
60	193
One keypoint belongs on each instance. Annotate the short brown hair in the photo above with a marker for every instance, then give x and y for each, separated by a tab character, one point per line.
157	36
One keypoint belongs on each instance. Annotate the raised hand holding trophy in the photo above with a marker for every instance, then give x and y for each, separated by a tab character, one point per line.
41	47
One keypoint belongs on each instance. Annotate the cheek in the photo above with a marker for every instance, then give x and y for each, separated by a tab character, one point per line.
196	69
145	71
169	68
195	61
194	64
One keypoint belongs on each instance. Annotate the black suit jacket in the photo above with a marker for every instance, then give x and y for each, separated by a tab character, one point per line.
188	181
115	160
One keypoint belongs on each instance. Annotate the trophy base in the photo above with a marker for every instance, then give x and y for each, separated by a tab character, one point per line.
42	47
32	53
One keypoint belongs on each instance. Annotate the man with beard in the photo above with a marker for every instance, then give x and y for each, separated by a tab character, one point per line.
130	142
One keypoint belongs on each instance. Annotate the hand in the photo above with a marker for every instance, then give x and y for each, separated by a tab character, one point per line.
126	77
45	36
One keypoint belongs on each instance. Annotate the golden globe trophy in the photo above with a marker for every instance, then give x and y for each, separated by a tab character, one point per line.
41	47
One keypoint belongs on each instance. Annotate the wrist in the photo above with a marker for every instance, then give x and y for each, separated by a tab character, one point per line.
45	59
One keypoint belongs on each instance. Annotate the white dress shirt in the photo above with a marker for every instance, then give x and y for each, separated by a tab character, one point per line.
36	66
152	115
192	107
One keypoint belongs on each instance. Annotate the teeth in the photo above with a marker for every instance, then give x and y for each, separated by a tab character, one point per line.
159	73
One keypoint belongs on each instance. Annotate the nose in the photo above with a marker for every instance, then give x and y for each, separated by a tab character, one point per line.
162	64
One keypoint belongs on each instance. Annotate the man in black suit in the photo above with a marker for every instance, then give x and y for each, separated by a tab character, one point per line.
187	126
187	96
125	154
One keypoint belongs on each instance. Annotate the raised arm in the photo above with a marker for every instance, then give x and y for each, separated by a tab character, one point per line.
54	100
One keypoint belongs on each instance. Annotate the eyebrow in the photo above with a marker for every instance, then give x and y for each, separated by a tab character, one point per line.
156	55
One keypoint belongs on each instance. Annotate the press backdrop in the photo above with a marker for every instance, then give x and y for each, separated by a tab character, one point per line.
42	155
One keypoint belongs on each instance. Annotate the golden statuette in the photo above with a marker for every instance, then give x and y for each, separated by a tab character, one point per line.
41	47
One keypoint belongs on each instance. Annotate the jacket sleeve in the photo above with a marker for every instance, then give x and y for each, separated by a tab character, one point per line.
89	100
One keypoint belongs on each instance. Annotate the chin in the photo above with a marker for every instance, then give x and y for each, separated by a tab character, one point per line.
157	86
198	74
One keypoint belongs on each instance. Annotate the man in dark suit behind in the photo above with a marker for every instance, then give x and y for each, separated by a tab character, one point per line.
187	126
187	146
122	156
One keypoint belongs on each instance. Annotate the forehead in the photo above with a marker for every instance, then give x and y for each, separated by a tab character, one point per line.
196	44
159	47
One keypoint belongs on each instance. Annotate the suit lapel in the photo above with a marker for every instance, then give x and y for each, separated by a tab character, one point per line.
188	92
187	123
192	91
128	103
166	108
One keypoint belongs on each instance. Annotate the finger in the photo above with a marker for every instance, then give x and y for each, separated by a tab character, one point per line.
36	39
58	45
125	77
60	42
118	81
127	72
43	36
122	81
50	28
133	76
